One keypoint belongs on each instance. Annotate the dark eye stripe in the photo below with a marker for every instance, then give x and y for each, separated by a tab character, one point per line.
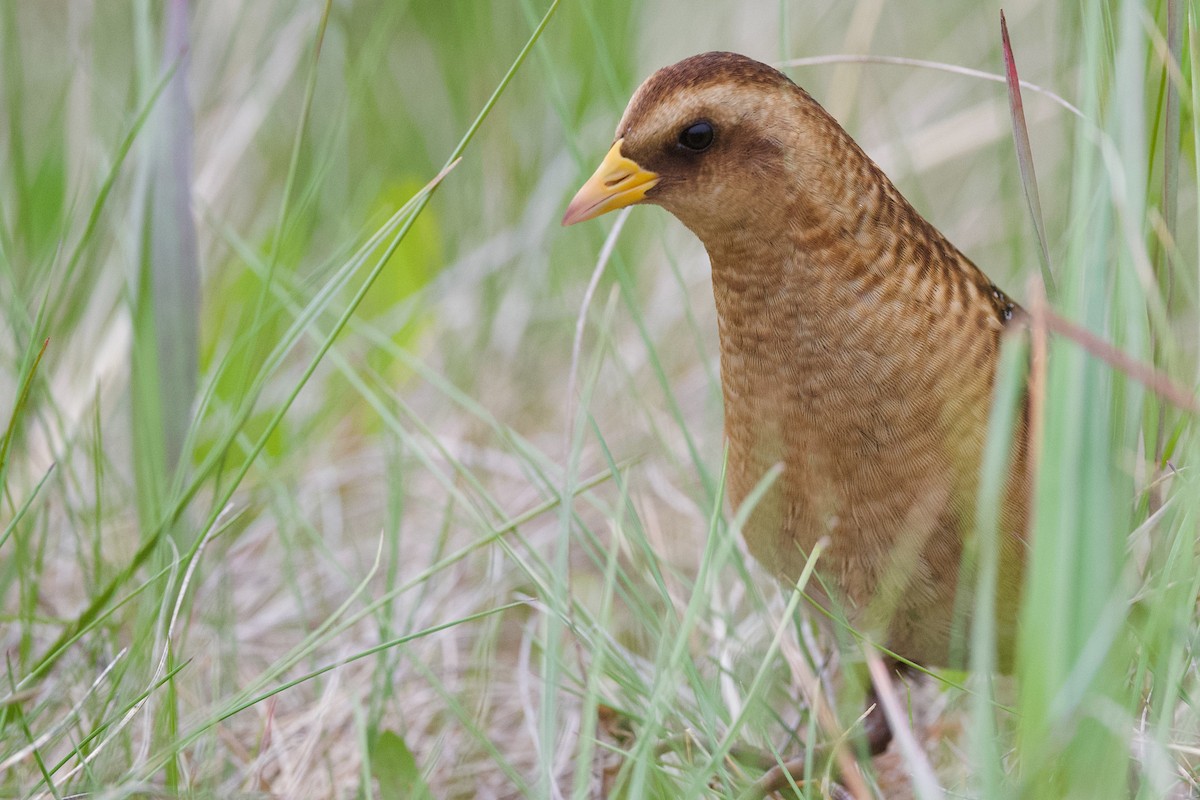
697	136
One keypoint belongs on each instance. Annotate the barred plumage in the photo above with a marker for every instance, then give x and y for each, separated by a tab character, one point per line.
858	346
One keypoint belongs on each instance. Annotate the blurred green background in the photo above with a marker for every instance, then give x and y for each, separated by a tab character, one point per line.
304	494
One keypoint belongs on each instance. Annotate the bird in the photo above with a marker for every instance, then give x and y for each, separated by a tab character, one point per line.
859	350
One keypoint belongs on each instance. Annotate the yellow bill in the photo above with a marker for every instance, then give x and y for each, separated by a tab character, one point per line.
618	182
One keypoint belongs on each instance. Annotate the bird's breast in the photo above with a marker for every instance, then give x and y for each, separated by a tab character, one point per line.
854	409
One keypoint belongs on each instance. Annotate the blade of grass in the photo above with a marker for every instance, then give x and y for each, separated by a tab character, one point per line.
1025	156
19	407
25	506
166	303
940	66
998	463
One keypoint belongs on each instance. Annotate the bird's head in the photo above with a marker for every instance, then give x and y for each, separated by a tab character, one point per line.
717	139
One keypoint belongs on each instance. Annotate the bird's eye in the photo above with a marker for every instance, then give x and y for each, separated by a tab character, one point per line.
697	136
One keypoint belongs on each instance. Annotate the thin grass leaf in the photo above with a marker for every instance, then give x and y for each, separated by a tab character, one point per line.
1025	156
1172	113
1158	382
920	63
23	509
994	477
19	406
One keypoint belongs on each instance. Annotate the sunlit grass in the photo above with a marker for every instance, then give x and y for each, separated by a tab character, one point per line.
405	554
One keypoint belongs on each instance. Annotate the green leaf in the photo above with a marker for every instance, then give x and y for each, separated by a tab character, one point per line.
394	766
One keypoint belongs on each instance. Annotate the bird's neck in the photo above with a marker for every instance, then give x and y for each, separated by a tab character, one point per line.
793	308
804	269
773	309
787	283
